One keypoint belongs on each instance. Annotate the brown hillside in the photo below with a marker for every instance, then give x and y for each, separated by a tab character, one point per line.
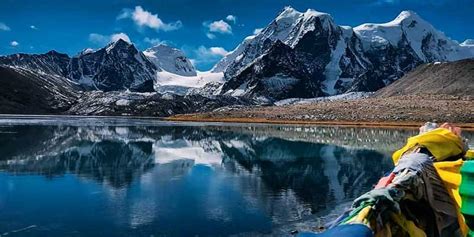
452	78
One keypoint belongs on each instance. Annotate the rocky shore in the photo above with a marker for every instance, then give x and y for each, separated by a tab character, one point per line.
408	110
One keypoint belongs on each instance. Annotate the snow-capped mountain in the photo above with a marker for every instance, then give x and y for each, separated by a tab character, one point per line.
305	54
170	59
289	27
468	45
428	43
118	66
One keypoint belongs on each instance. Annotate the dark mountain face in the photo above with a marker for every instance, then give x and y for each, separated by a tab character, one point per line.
27	92
285	72
52	63
386	65
119	66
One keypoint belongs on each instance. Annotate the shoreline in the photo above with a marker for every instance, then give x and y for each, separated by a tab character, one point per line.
198	118
341	123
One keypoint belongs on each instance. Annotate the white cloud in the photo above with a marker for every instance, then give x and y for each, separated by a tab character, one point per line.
33	27
105	39
124	14
231	18
98	38
14	43
155	41
388	2
219	27
118	36
4	27
204	57
210	35
257	31
144	18
217	51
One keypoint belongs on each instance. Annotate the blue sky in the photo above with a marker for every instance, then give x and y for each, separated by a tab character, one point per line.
204	29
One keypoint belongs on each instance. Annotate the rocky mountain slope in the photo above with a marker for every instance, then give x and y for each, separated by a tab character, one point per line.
306	54
450	78
29	92
118	66
431	92
22	91
298	55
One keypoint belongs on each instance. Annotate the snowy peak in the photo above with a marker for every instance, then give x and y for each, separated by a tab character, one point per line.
468	45
86	51
288	27
407	16
288	12
300	50
170	59
119	44
468	42
428	43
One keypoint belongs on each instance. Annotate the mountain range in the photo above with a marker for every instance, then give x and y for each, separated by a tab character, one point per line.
298	55
308	55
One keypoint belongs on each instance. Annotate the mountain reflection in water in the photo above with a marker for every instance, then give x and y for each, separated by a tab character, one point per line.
184	180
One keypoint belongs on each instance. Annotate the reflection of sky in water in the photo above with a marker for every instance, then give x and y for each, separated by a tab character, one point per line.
183	180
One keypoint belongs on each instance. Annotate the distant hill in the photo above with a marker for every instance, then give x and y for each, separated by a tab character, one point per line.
447	78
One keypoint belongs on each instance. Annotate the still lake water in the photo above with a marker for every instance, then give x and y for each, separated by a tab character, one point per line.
125	177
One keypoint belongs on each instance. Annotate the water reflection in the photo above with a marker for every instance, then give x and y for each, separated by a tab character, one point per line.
209	180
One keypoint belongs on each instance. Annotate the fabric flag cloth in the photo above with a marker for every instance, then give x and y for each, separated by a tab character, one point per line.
420	197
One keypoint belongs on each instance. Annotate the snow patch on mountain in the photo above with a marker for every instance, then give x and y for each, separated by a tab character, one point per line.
177	84
468	45
171	60
332	70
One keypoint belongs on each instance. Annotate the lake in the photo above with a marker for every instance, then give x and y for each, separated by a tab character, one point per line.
70	176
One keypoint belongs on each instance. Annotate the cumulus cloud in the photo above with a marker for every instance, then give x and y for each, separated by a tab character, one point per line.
220	27
33	27
14	43
257	31
203	52
144	18
204	55
118	36
218	51
210	35
231	18
105	39
156	41
4	27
